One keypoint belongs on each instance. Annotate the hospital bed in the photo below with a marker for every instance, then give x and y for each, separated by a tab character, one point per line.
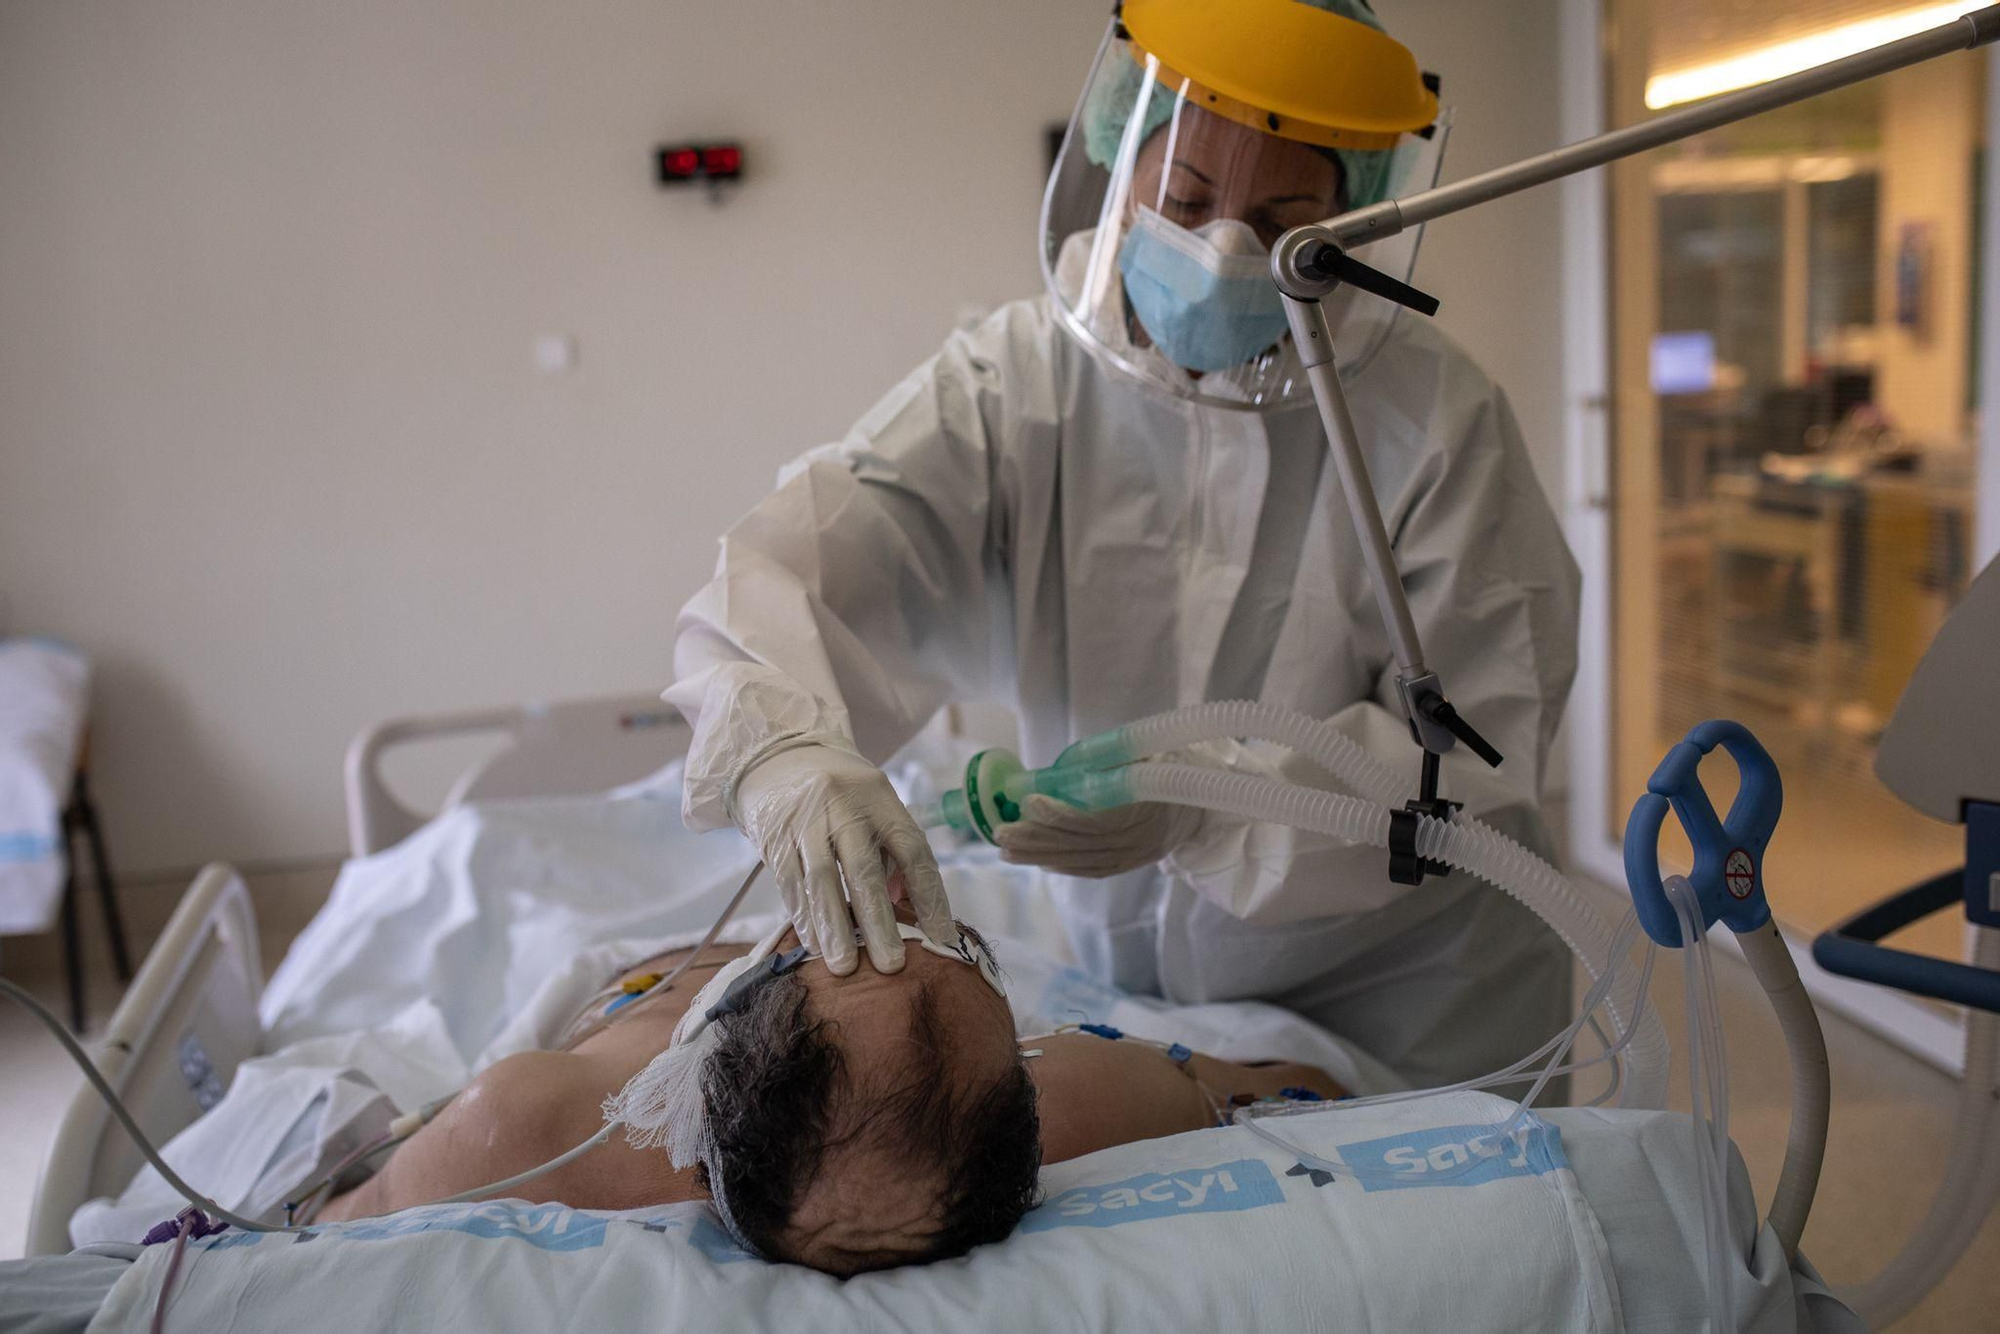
1205	1228
190	1016
1318	1255
1200	1229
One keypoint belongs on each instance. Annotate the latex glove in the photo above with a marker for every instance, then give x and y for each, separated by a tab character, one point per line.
1094	844
831	829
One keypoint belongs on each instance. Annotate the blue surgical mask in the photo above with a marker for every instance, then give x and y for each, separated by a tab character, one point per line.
1205	297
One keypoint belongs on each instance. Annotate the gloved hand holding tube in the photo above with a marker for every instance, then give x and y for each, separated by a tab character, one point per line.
1095	844
832	829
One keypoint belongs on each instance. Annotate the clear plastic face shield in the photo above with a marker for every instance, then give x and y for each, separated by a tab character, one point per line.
1160	215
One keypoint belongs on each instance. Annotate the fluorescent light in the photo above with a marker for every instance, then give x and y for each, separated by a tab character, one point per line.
1773	62
1824	170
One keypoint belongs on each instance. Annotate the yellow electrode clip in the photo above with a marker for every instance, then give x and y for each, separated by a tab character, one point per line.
1286	68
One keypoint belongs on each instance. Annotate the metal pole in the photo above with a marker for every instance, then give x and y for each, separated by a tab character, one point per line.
1314	339
1418	686
1391	216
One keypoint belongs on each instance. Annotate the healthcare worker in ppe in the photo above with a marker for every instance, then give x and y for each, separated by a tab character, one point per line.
1115	499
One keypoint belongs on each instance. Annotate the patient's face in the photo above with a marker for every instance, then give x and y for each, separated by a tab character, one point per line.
934	1027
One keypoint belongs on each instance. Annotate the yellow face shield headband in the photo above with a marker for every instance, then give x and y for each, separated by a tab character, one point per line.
1285	68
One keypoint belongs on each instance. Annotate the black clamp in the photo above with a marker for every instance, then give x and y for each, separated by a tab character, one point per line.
1405	866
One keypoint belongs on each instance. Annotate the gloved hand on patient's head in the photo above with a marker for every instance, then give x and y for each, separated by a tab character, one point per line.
1095	844
833	832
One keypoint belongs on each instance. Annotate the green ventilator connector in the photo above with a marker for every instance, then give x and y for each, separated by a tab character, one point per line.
997	783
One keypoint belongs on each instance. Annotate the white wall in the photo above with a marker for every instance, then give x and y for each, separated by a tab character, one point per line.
272	444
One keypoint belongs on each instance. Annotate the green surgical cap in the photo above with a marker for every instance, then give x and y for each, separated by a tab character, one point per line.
1113	92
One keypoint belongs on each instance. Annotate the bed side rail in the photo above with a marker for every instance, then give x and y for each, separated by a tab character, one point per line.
567	748
375	818
174	1043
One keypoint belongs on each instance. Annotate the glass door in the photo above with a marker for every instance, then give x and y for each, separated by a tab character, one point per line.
1790	419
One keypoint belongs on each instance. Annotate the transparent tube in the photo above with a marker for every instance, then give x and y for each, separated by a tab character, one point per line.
1514	1130
1708	1097
1104	770
1314	738
1468	846
1538	1059
1465	843
1255	797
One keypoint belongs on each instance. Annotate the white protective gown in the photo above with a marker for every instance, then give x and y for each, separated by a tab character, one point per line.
1017	520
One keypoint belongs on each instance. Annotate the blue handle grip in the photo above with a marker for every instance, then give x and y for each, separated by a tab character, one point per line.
1728	875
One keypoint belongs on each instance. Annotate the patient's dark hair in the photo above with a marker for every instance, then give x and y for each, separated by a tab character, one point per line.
771	1089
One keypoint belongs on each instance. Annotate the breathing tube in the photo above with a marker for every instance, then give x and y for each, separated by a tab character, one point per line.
1115	768
1708	1097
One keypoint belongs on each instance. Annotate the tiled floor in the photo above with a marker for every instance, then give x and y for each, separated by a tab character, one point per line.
1892	1117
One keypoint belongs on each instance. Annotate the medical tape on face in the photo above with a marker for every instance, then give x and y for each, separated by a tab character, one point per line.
741	985
969	950
661	1106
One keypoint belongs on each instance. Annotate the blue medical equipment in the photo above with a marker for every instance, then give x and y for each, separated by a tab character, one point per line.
1728	874
1727	885
1854	949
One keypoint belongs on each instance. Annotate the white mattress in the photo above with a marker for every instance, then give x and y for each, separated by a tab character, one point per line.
44	694
1583	1229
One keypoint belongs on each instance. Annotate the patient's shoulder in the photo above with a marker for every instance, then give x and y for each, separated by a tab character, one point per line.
532	1101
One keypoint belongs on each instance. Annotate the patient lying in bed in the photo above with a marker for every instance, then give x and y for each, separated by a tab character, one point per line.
860	1122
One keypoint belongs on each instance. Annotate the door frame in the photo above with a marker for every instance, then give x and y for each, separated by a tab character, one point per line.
1586	504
